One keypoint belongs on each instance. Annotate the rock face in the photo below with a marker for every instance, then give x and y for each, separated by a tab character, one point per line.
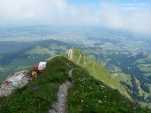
16	81
70	54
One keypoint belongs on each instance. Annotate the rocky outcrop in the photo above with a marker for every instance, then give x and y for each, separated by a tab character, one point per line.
16	81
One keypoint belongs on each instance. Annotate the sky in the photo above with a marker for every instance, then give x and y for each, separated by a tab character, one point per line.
131	15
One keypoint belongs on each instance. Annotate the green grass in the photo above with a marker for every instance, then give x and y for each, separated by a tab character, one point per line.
38	95
98	71
89	95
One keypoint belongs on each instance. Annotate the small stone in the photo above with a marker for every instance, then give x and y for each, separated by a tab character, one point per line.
82	101
100	101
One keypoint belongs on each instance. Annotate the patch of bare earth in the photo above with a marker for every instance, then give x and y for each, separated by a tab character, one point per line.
61	105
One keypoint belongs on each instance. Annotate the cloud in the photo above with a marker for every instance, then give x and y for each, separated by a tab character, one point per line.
45	12
130	16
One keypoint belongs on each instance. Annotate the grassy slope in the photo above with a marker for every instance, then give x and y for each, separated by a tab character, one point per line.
87	95
37	96
91	96
98	71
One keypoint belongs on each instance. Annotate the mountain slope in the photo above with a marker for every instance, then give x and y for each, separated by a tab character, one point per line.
39	94
87	95
132	85
96	70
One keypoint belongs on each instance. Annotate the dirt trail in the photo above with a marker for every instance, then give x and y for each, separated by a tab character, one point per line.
61	105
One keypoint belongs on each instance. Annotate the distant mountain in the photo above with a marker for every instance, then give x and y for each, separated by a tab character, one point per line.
86	94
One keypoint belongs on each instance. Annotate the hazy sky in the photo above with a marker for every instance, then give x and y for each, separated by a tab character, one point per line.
132	15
